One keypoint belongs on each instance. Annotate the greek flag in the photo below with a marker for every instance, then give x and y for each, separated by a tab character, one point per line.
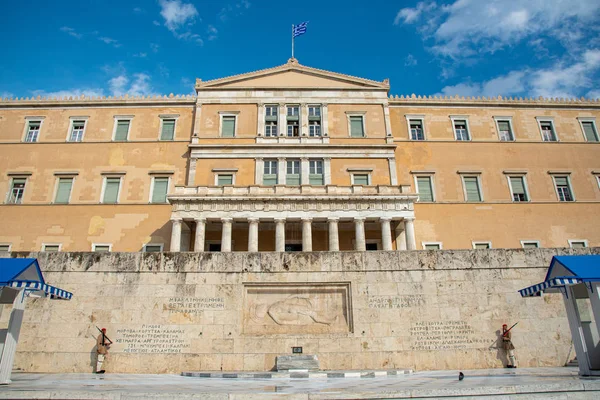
300	29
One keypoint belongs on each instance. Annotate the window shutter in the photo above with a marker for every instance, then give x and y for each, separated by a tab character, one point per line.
504	126
228	127
168	129
424	188
516	182
590	132
51	248
64	190
361	179
111	191
432	247
270	179
160	189
472	189
316	179
356	127
561	181
480	246
530	245
152	248
225	179
123	130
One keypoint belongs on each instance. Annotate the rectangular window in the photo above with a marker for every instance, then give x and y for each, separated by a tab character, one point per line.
472	190
271	128
589	130
4	248
356	126
63	191
168	129
360	179
160	187
293	128
17	190
563	188
228	126
314	128
122	130
271	111
292	176
416	129
293	111
314	112
505	131
460	129
482	245
77	130
548	134
111	190
101	248
578	244
153	248
432	246
51	248
316	172
224	179
517	188
270	173
530	244
424	188
33	131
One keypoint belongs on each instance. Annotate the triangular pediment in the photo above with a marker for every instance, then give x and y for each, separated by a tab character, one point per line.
292	76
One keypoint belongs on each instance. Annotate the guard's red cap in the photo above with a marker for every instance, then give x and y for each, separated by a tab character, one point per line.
103	329
504	325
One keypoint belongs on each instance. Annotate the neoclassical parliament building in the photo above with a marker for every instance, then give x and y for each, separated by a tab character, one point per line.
294	158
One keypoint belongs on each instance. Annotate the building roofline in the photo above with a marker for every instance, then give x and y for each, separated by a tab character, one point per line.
84	101
492	101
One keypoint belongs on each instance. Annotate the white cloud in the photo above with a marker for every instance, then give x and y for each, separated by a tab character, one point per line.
177	14
139	85
89	92
71	31
467	27
212	32
117	85
6	95
138	10
110	41
141	55
154	47
234	10
409	15
565	78
410	61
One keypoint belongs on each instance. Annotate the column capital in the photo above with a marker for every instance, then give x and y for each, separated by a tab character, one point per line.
176	220
253	220
281	104
199	219
333	219
281	158
323	104
279	220
225	220
306	219
409	219
386	219
361	219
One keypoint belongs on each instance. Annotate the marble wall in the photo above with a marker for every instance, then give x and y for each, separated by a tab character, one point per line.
169	312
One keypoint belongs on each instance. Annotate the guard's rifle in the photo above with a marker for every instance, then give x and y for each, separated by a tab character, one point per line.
106	337
508	330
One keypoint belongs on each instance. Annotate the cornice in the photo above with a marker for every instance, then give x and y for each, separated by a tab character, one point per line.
91	101
499	101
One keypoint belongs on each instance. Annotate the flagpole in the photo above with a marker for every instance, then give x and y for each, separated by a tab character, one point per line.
292	40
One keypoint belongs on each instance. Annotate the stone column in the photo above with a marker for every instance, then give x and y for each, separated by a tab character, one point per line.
259	171
280	234
327	171
176	235
226	235
334	240
303	119
281	170
324	120
306	234
400	236
282	120
410	233
359	231
260	128
200	234
9	348
253	234
393	173
304	171
386	233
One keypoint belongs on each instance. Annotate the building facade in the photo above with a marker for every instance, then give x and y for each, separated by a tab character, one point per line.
294	158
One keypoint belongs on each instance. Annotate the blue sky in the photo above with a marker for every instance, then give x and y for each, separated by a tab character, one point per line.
465	47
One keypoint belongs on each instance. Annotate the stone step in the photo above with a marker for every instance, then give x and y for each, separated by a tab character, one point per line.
299	374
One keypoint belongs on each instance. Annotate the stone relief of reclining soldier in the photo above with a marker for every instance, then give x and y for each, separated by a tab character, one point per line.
292	311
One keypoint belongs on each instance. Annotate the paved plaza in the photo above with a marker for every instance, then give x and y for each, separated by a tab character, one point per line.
526	383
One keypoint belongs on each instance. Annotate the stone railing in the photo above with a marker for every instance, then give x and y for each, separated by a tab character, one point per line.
497	100
84	100
282	190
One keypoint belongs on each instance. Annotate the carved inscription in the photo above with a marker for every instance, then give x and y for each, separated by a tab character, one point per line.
443	335
194	305
415	300
153	339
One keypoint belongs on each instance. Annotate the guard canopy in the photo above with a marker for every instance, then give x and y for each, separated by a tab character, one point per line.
25	273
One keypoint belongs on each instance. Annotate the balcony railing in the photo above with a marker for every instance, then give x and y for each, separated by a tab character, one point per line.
283	190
